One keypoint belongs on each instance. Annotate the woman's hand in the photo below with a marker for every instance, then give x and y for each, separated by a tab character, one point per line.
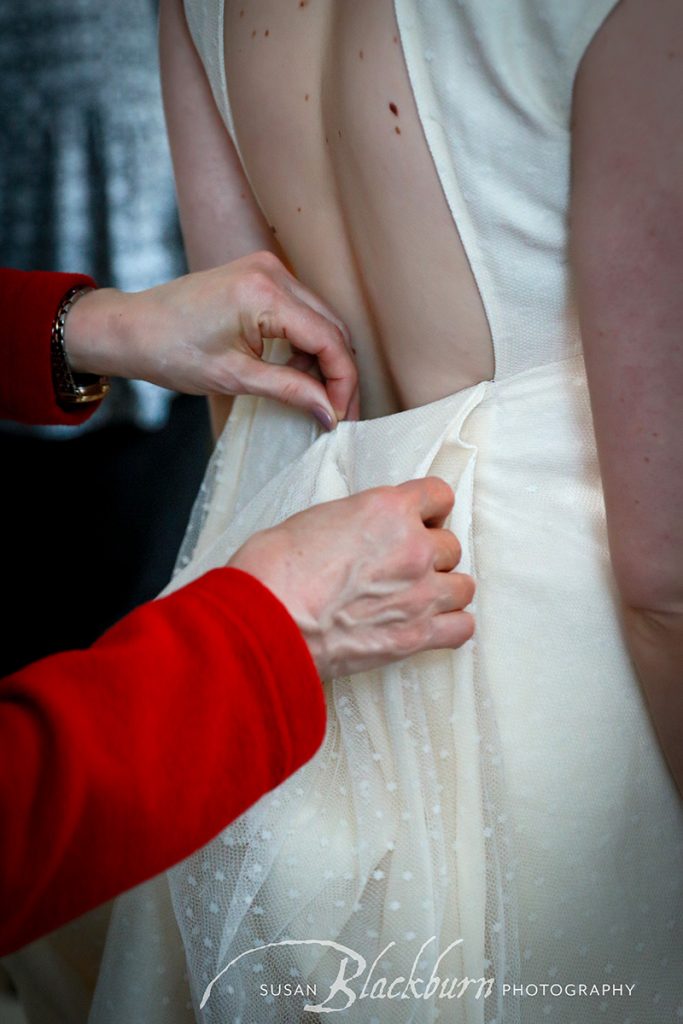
368	578
203	334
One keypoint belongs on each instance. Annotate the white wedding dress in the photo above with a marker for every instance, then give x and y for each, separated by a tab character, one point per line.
511	794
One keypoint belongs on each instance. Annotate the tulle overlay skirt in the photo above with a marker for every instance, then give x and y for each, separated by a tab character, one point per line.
484	832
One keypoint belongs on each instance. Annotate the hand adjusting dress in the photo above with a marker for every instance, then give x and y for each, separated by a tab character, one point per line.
511	794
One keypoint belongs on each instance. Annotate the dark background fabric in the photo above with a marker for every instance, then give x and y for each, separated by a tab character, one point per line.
95	523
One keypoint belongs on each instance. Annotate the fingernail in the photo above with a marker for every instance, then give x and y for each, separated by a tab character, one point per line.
323	417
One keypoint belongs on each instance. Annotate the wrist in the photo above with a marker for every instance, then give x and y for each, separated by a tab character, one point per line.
97	333
264	557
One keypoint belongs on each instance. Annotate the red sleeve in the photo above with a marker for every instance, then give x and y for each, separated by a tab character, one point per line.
29	301
118	761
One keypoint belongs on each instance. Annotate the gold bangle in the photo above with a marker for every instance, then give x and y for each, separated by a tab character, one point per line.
72	388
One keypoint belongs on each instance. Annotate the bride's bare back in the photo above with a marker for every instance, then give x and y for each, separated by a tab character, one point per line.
329	133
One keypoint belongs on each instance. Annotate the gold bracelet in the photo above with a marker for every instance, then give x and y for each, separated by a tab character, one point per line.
72	388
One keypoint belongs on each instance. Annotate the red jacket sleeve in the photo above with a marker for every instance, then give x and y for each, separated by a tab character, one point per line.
29	301
120	760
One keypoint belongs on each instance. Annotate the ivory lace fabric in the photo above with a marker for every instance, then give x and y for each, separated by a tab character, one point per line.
504	807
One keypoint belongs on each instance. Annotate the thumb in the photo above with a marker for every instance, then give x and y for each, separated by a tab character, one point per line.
290	386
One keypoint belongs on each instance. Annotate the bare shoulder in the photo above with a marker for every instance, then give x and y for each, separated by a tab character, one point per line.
631	77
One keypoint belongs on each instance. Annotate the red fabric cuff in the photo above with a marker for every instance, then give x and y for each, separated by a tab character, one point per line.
30	300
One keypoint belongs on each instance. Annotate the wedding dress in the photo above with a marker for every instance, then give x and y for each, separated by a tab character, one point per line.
501	813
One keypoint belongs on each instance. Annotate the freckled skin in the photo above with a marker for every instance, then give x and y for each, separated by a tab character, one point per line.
378	241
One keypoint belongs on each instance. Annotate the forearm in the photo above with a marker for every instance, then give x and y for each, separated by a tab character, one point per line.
220	218
118	761
655	642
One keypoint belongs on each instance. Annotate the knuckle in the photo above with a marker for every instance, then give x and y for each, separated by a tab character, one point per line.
340	341
335	344
462	589
256	287
414	559
439	490
266	260
457	550
262	284
288	392
420	553
405	492
469	588
412	638
381	501
453	546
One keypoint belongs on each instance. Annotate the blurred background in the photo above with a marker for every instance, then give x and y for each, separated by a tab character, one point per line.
91	517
